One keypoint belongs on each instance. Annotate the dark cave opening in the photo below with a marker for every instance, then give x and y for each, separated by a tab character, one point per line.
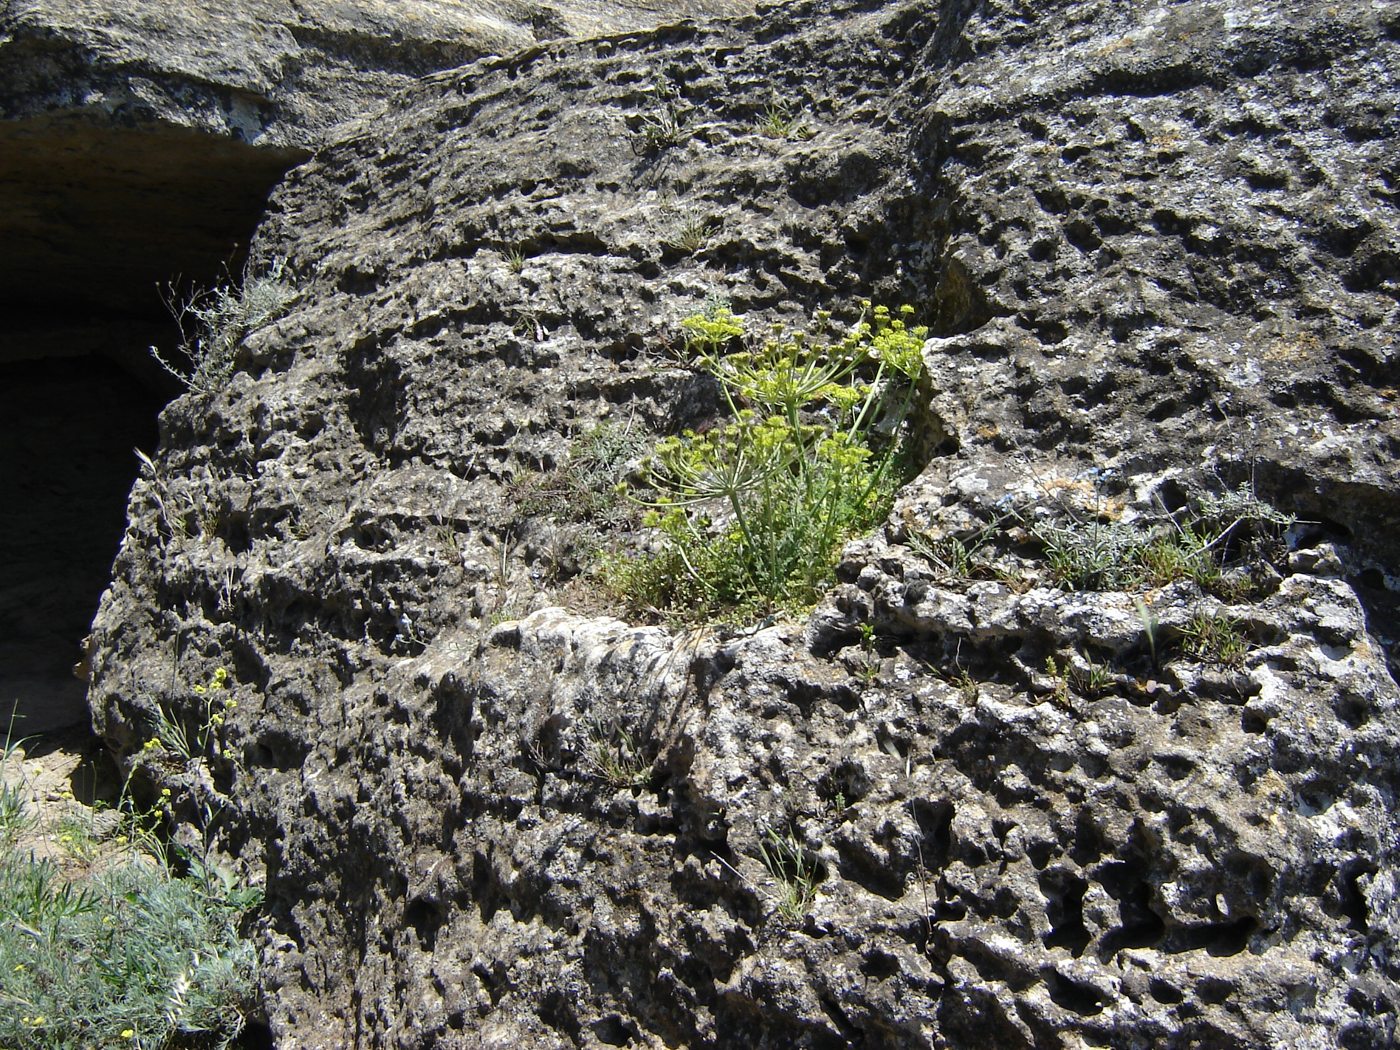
66	463
96	221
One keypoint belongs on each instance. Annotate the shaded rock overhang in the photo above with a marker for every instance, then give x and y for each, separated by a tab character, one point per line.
107	209
98	216
98	220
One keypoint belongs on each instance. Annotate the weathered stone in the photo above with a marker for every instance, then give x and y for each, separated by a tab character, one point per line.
138	143
1157	249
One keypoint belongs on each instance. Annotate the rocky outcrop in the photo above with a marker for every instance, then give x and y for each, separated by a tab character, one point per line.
138	143
986	798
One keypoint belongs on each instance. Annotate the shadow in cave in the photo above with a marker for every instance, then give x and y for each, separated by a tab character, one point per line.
94	221
66	462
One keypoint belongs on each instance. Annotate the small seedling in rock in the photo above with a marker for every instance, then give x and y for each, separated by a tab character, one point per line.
664	126
615	759
869	667
795	871
530	325
1060	681
779	122
1093	680
948	554
1148	619
1217	639
967	686
693	234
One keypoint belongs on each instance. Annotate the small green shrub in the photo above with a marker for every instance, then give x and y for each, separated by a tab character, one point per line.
585	487
664	126
193	742
753	513
127	952
132	957
1216	638
213	324
1114	555
615	758
693	233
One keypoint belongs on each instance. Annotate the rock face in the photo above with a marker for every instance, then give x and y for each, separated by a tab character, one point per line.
141	138
138	143
975	799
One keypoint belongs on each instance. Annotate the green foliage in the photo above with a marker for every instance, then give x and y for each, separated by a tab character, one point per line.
585	487
192	743
1114	555
753	512
1094	555
615	758
794	870
693	233
1059	680
121	945
1216	638
133	957
126	953
15	818
664	126
214	323
708	333
779	122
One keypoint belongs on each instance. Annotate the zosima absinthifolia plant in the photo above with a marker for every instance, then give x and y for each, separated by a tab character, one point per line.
214	323
816	438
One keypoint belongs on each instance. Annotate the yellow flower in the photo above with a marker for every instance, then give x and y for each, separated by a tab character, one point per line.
164	792
19	967
127	1033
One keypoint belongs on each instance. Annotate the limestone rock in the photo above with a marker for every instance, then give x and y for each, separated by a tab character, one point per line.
138	143
139	139
966	803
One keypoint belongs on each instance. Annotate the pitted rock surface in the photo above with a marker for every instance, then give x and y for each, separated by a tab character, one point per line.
139	139
1157	248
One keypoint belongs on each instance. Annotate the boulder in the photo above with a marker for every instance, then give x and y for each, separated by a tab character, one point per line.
988	799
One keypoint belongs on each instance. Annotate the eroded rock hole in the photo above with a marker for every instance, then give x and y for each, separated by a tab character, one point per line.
96	220
1352	895
1064	906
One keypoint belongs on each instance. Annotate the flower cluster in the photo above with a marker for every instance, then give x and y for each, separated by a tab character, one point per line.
753	512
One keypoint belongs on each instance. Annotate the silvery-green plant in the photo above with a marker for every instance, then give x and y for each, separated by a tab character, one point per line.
215	322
